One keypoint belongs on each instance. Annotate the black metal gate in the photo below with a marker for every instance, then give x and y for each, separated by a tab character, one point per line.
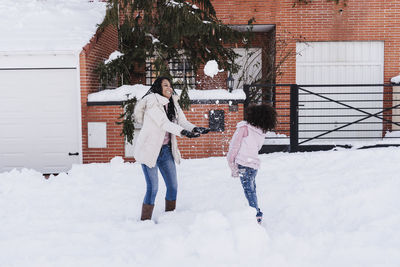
321	117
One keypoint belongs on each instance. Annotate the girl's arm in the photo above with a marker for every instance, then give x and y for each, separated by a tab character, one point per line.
234	147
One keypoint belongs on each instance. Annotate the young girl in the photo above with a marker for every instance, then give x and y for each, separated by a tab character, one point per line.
244	146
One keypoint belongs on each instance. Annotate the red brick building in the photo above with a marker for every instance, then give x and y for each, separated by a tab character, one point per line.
356	42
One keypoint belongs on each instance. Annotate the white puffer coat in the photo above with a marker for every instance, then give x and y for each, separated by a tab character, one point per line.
150	113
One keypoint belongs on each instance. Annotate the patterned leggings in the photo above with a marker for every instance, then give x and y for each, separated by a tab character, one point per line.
248	179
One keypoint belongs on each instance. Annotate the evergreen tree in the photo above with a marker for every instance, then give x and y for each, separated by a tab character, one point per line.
164	30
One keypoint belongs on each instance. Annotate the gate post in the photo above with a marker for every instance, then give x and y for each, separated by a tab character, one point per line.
294	118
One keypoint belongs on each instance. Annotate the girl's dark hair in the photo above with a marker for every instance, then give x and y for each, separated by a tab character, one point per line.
262	116
156	88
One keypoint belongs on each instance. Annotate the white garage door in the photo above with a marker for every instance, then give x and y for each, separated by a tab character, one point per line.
39	112
340	63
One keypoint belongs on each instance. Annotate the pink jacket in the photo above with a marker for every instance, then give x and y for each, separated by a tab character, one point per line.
244	146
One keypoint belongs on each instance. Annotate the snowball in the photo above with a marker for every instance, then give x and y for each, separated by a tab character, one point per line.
211	68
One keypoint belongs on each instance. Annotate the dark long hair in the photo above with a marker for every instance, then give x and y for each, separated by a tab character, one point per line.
262	116
156	88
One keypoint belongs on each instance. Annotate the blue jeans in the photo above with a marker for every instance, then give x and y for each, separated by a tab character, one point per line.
166	164
248	179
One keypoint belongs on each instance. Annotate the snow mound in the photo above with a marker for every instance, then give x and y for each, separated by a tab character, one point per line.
335	208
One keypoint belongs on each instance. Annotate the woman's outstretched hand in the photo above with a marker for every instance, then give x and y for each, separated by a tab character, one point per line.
201	130
189	134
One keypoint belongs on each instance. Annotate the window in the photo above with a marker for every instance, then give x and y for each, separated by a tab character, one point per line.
108	82
180	69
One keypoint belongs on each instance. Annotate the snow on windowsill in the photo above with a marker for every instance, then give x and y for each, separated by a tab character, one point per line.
139	90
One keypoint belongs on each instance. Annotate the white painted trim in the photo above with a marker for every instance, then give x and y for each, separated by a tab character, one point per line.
44	52
30	60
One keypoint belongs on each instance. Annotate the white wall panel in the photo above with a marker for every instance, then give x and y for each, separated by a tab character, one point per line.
340	63
38	60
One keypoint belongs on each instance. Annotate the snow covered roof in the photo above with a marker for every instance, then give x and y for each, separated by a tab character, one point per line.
48	25
138	90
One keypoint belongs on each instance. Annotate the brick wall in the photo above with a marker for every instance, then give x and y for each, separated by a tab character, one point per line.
115	143
98	49
212	144
204	82
372	20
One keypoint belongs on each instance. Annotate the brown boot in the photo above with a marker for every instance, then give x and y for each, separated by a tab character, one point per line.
170	205
147	211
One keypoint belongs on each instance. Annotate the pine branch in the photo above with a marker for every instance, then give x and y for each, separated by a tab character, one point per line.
184	100
128	127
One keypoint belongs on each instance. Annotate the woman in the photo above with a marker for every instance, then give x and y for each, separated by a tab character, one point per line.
156	146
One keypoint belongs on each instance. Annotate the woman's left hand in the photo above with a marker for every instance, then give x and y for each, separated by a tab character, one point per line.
201	130
189	134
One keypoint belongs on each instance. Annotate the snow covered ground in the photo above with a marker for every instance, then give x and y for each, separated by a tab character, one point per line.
336	208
